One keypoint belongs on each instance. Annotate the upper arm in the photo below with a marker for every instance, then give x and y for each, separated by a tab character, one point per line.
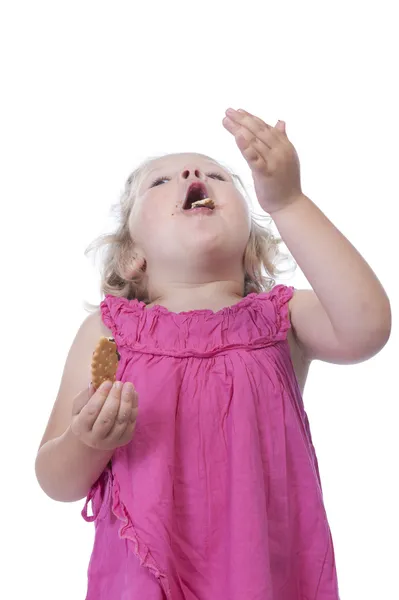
316	338
76	374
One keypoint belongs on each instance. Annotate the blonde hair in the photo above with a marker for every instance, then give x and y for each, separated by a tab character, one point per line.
260	260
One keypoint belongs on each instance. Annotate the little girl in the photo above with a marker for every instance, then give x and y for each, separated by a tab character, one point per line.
199	460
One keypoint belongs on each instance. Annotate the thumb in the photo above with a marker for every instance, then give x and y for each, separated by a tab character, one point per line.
81	399
281	126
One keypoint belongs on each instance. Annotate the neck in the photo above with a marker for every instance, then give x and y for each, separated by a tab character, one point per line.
181	297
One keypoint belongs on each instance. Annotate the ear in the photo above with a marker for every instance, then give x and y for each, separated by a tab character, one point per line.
132	262
135	267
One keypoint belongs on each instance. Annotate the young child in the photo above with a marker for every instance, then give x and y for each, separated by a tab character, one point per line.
199	461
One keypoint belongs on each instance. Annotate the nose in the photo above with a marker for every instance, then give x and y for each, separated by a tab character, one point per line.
193	172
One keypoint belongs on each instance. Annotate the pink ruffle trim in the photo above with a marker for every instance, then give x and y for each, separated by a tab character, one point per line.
128	532
254	322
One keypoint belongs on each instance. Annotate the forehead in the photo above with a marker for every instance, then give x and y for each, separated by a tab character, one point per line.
179	161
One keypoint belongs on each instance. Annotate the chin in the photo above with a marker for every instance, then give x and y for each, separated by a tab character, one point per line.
214	247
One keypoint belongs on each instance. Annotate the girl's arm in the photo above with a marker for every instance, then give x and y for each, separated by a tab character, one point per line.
66	468
347	318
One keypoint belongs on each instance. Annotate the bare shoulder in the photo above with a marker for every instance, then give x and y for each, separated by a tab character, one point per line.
76	373
91	329
95	321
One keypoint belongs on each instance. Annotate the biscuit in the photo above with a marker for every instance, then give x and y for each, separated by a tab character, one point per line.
207	202
104	362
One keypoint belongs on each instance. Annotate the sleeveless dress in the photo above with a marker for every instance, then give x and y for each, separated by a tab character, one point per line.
218	495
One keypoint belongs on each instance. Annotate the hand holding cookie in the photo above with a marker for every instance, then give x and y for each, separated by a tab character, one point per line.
105	419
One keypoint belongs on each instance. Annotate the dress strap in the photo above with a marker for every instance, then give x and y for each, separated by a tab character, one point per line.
99	496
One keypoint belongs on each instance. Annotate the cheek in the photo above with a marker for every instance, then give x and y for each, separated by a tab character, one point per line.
138	224
240	224
148	223
240	214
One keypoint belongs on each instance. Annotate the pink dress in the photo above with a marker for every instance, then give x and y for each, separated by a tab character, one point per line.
218	495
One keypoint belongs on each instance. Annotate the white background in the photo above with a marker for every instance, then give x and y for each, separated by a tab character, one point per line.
91	88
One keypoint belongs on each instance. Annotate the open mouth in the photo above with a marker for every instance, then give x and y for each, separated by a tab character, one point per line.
197	197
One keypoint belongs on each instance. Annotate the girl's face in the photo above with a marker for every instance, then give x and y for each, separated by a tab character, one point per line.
166	233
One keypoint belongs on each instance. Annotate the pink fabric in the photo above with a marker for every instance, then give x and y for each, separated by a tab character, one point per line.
218	496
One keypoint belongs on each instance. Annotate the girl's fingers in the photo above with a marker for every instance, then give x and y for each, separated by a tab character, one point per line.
109	416
83	399
104	399
268	135
79	402
127	412
109	412
252	148
247	147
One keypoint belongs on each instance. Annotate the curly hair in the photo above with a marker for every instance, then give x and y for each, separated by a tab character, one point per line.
260	260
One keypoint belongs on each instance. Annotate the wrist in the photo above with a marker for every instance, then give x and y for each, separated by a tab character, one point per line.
294	201
73	440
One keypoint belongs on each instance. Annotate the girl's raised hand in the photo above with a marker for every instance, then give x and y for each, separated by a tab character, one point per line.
271	157
105	419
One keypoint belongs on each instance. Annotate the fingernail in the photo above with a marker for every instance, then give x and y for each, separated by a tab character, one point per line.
106	386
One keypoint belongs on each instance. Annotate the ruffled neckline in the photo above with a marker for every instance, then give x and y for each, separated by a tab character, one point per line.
253	322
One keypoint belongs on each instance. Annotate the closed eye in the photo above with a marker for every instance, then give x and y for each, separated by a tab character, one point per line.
216	176
213	175
159	180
